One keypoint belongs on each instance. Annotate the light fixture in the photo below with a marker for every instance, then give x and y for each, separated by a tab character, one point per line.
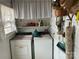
54	0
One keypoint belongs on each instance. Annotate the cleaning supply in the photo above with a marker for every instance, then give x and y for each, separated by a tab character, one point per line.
36	33
77	16
61	44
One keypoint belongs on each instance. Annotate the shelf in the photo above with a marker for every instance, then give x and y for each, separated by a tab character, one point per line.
31	29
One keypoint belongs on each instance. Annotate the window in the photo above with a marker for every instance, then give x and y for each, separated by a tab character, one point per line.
8	19
32	9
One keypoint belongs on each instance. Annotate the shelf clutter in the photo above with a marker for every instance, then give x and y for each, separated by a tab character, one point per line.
25	25
59	6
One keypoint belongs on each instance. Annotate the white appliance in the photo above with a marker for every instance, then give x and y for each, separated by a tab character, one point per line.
43	47
21	47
